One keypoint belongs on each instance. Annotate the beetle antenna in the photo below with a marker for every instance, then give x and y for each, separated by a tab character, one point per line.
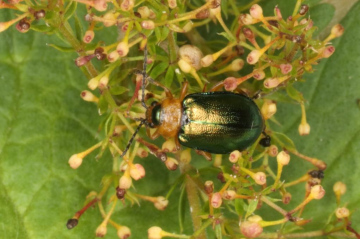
142	121
143	79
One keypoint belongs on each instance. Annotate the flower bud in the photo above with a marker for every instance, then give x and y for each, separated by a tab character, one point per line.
253	57
144	12
337	30
229	195
125	182
328	51
82	60
109	19
89	36
169	145
245	19
113	56
100	5
137	171
122	49
161	203
75	161
234	156
142	153
237	64
154	233
339	188
23	26
278	13
93	83
207	60
209	187
251	229
172	4
273	150
230	83
342	212
101	230
203	14
216	200
184	66
120	193
260	178
256	11
268	109
171	163
103	82
304	129
188	26
123	232
148	24
185	156
303	9
283	158
285	68
271	83
127	5
88	96
259	74
286	198
317	192
192	55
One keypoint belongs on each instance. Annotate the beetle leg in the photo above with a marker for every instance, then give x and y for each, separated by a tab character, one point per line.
206	155
217	87
154	135
177	143
167	91
184	90
154	150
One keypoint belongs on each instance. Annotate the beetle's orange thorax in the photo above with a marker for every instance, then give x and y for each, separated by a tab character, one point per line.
171	110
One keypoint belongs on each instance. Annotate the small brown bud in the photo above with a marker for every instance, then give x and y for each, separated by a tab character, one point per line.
209	187
303	9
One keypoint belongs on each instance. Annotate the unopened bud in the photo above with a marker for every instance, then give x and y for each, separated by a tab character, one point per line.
245	19
75	161
285	68
169	145
328	51
342	212
88	96
188	26
123	232
304	129
271	83
144	12
253	57
268	109
148	24
203	14
339	188
171	163
303	9
283	158
259	74
185	156
230	83
103	82
122	49
278	13
101	230
125	182
209	187
260	178
172	4
93	83
23	26
82	60
234	156
142	153
120	193
127	5
89	36
251	229
100	5
286	198
337	30
113	56
216	200
229	195
192	55
154	233
207	60
317	192
109	19
256	11
137	171
161	203
273	150
237	64
184	66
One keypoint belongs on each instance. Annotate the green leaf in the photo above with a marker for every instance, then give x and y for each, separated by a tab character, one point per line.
61	48
169	77
159	69
252	207
78	29
41	28
118	89
70	10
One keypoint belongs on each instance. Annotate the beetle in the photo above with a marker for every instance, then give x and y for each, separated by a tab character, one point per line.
212	122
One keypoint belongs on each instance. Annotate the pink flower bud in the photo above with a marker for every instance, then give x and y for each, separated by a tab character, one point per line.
109	19
172	4
259	74
82	60
285	68
273	150
216	200
251	229
142	153
253	57
171	163
127	5
234	156
286	198
144	12
256	11
230	83
328	51
100	5
278	13
137	171
113	56
209	186
89	36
